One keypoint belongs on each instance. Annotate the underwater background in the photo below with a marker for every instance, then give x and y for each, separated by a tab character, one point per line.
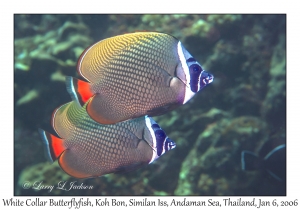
243	109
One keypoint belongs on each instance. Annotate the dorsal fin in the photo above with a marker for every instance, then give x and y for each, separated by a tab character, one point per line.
65	117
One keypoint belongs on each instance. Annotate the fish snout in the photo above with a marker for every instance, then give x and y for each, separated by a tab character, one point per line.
205	79
171	144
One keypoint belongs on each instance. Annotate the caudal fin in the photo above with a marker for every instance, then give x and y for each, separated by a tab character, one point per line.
79	90
250	161
275	162
53	145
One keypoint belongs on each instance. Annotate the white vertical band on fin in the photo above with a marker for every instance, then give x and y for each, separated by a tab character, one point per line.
149	126
188	92
243	160
72	90
46	144
274	150
274	175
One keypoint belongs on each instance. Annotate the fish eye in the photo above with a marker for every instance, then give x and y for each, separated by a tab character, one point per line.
160	135
195	68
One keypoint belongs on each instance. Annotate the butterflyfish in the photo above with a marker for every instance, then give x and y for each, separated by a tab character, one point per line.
136	74
85	148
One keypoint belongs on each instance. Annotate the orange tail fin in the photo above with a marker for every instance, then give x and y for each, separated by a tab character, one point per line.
53	145
79	90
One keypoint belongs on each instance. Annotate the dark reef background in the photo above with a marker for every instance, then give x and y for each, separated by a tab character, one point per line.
243	108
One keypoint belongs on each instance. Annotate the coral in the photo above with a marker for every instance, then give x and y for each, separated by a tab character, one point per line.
215	150
223	19
67	41
274	104
36	180
32	94
46	58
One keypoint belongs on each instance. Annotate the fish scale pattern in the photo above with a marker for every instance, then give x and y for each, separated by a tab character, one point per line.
98	56
135	78
101	148
65	124
105	129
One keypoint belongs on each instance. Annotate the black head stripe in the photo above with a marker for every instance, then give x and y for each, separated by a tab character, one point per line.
155	126
191	59
195	71
160	138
